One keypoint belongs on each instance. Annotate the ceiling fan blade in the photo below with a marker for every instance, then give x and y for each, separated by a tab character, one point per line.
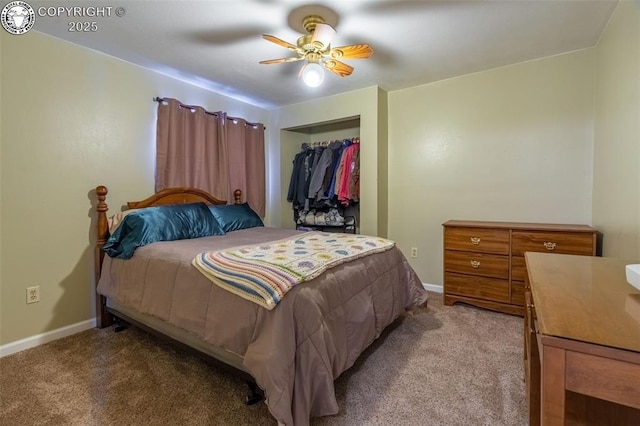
354	51
338	67
323	34
280	42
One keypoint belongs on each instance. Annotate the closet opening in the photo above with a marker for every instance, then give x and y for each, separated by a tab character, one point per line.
320	176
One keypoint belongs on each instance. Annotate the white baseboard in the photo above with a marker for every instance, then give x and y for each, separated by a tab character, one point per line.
432	287
49	336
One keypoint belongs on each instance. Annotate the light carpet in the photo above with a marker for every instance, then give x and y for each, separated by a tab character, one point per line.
441	365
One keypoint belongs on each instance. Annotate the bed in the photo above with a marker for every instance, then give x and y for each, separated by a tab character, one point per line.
292	352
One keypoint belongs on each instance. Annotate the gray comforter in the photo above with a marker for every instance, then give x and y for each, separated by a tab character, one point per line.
297	350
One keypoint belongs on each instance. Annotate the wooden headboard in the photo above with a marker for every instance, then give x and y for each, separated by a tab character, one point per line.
178	195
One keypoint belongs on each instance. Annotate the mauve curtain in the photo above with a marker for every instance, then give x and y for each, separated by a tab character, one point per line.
247	162
191	149
211	152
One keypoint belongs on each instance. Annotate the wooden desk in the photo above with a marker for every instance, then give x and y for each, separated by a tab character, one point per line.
582	341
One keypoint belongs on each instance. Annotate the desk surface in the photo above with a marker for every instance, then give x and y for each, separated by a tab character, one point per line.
586	299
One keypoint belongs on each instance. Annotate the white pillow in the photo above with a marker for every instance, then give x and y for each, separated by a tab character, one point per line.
115	220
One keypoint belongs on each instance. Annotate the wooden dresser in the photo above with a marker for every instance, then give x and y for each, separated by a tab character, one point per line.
581	341
484	261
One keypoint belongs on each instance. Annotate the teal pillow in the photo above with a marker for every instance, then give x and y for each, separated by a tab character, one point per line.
233	217
161	223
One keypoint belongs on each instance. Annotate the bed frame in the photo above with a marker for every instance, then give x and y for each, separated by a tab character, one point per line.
106	316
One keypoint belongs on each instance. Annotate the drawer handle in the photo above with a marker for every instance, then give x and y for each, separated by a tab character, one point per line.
549	246
475	264
475	240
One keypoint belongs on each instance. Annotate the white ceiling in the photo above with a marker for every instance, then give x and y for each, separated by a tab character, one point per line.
218	44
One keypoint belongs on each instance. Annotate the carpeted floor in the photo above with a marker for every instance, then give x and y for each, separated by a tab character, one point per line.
438	366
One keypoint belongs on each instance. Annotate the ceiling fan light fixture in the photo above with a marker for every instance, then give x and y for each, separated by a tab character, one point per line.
323	34
313	74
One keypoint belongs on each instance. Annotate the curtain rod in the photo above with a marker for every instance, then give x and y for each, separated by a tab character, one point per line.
162	100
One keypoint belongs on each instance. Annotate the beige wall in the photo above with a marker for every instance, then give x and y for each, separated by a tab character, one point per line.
359	103
513	144
616	184
383	163
72	119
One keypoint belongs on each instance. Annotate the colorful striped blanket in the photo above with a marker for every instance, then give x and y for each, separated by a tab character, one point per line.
264	273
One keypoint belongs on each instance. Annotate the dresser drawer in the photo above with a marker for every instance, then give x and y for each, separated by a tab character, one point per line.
478	287
488	265
551	242
517	293
477	239
518	268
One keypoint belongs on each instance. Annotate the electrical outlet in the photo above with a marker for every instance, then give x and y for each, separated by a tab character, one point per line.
33	294
414	252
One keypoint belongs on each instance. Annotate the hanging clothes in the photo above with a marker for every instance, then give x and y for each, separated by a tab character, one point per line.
294	182
350	164
317	189
337	172
324	179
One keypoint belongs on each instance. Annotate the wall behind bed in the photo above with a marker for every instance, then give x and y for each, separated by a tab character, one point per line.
72	119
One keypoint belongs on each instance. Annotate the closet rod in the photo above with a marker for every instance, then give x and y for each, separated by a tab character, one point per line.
355	139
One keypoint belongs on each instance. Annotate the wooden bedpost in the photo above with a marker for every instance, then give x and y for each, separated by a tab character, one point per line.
237	196
103	319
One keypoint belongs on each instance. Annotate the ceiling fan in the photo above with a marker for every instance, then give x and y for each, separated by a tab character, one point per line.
315	48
